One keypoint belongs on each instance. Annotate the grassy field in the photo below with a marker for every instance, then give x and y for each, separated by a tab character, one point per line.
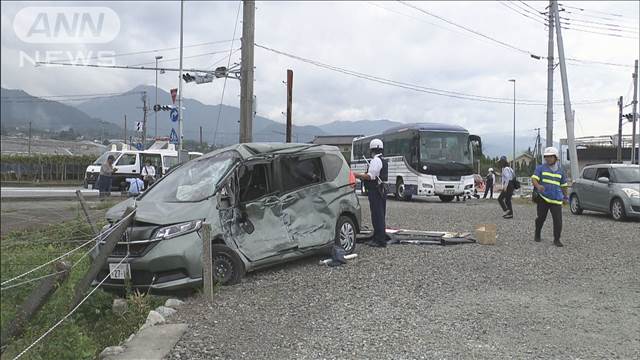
92	327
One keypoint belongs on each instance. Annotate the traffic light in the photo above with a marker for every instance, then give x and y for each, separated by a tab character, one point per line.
188	77
629	117
198	78
158	107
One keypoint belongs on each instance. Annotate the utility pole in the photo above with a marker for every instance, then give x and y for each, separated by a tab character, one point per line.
538	147
200	136
180	137
156	113
634	113
513	161
29	144
144	120
619	157
550	67
289	103
573	153
246	71
125	130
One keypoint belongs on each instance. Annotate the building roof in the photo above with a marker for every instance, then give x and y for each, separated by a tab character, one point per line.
334	139
524	155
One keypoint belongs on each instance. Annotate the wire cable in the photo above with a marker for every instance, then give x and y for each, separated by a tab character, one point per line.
502	43
106	233
224	84
70	312
31	280
420	88
185	57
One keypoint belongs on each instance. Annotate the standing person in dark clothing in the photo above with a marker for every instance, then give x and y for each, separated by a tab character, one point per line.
489	181
375	182
106	177
508	186
551	187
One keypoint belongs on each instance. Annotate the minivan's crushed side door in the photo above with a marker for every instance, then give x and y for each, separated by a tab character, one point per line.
258	229
306	198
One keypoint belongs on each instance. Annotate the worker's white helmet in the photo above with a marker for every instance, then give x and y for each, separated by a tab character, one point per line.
376	144
551	151
490	169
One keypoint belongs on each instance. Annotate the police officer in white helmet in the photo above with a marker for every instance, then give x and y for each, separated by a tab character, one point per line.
550	192
375	183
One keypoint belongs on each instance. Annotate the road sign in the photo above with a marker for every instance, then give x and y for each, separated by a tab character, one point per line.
139	146
173	137
174	92
173	115
139	126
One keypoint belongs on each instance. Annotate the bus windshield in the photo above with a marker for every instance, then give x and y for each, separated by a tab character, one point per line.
445	147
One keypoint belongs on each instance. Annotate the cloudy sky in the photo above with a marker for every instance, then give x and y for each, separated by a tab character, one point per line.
385	39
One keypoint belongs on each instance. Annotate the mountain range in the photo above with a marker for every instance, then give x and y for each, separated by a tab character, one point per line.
104	116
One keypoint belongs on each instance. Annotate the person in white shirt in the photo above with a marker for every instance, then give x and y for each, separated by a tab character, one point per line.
148	174
374	180
508	186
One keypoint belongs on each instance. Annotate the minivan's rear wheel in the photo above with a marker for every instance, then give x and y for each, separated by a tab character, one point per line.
617	210
445	198
574	205
346	234
227	266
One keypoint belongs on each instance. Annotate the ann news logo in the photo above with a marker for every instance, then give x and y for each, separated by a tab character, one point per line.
64	25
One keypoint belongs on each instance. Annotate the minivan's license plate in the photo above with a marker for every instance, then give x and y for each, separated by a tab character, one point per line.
449	192
120	271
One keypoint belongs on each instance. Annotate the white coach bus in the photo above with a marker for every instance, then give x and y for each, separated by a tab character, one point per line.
425	159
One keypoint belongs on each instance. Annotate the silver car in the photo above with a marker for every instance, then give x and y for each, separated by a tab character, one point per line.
266	203
608	188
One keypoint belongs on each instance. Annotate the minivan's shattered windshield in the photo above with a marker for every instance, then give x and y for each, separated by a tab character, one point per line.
194	181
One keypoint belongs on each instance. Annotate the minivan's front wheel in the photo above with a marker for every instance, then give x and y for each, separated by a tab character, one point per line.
227	266
617	210
346	234
574	205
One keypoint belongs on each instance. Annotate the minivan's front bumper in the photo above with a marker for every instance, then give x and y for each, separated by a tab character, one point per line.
166	265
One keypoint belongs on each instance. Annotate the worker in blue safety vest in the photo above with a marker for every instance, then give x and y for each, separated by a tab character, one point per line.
550	193
375	180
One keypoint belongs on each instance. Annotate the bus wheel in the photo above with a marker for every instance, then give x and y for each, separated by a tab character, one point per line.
401	191
445	198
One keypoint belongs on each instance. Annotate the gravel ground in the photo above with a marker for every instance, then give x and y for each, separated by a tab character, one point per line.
518	299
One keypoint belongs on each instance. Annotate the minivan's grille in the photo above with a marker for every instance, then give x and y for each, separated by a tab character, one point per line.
135	240
448	178
636	208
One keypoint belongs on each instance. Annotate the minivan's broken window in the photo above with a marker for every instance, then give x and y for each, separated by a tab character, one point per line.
297	173
194	181
126	159
254	182
103	158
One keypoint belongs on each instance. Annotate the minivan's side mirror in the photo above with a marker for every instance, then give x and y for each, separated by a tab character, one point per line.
603	180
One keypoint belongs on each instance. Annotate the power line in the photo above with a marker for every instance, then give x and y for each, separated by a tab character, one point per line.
420	88
508	6
185	57
601	23
574	28
597	17
158	50
569	22
466	28
224	85
597	11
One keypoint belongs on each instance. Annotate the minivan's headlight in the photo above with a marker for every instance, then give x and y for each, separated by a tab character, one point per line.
171	231
632	193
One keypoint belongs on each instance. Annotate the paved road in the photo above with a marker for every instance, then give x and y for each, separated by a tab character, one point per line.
518	299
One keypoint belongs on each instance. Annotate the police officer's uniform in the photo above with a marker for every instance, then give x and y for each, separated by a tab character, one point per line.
378	171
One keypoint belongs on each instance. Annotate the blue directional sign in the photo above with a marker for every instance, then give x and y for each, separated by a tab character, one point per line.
139	146
173	115
173	137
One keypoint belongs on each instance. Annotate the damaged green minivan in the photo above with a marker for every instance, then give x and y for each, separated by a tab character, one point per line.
266	203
